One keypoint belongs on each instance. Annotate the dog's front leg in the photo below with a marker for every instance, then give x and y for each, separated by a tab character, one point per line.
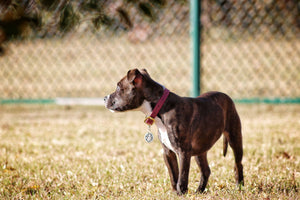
184	162
172	165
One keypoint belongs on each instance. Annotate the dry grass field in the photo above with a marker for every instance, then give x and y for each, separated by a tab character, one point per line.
52	152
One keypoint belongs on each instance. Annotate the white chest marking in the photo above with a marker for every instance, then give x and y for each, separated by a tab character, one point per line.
162	131
164	138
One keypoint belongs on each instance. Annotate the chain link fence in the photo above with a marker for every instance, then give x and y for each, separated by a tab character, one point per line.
249	49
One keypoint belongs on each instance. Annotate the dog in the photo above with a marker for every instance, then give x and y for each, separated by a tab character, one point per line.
186	126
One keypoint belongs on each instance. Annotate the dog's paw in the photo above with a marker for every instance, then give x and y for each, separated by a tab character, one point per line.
240	186
181	190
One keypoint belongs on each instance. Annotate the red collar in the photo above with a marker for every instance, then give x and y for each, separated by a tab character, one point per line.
149	120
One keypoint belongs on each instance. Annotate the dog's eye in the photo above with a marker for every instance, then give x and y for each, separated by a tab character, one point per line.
119	89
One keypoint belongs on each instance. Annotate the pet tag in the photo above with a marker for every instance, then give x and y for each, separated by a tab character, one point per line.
149	137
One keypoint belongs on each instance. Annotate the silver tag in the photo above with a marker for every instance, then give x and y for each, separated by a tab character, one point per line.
149	137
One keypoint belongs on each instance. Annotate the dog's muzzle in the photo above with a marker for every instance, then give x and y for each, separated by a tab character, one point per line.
106	100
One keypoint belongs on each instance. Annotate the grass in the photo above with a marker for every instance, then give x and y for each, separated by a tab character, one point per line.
51	152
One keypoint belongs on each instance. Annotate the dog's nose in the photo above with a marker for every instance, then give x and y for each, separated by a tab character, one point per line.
105	98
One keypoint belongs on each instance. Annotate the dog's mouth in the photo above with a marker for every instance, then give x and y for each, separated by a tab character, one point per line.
117	109
110	104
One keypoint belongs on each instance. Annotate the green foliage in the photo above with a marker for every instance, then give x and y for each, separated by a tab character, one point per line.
125	17
16	16
49	4
101	20
68	19
147	10
62	16
120	15
160	3
90	5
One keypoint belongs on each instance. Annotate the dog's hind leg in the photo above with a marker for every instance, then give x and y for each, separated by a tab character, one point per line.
205	171
172	165
236	143
238	168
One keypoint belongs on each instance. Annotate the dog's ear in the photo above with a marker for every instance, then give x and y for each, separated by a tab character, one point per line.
135	77
145	73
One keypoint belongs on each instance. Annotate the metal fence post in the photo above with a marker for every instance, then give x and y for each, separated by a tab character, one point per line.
195	7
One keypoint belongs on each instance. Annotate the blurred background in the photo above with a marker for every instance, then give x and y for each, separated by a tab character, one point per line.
250	49
75	52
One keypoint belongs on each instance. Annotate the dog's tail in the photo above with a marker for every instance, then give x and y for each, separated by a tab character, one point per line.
225	145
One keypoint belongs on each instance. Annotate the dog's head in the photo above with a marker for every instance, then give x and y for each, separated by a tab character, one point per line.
129	93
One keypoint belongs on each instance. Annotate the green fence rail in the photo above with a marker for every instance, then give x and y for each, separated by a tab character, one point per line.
195	40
